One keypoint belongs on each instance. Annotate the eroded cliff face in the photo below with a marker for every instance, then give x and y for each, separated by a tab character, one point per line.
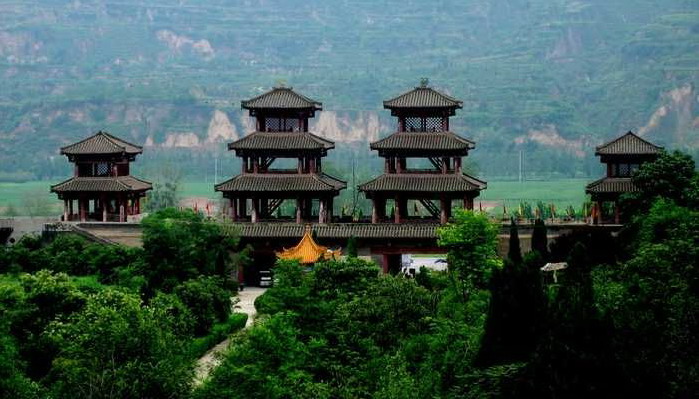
341	127
676	120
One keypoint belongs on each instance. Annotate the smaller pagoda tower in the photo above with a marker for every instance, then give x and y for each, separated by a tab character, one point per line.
281	133
101	183
623	156
423	134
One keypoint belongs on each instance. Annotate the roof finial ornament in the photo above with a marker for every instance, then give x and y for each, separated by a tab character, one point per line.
281	84
424	82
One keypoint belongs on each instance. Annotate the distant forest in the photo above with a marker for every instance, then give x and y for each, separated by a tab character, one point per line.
548	79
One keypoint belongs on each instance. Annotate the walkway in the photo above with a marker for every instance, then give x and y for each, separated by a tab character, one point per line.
212	358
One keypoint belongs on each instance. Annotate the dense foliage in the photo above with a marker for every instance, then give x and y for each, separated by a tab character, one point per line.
619	321
84	320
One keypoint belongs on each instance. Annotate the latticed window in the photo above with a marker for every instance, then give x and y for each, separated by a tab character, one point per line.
281	125
419	124
624	170
102	169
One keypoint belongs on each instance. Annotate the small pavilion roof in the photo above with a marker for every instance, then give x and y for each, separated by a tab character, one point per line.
423	96
423	140
628	144
282	182
281	98
611	185
307	250
424	182
281	141
101	143
102	184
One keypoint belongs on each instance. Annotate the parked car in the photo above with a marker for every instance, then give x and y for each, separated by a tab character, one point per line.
265	278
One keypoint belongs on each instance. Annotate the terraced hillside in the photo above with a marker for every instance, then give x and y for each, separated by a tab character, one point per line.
551	78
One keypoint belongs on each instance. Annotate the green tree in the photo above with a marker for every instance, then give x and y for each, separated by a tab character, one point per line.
118	348
540	239
352	247
514	252
181	245
671	176
472	243
206	299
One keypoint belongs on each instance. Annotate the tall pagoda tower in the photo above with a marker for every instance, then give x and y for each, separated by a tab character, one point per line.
423	132
622	156
102	184
281	132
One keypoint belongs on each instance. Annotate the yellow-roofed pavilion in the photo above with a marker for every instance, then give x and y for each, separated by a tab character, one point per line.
308	251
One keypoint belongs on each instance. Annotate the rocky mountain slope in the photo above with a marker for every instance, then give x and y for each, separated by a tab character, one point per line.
550	78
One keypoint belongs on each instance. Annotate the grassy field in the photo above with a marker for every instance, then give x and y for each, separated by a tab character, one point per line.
34	198
560	192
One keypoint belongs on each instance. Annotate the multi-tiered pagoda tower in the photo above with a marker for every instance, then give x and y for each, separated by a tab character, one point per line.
102	184
622	156
281	133
423	133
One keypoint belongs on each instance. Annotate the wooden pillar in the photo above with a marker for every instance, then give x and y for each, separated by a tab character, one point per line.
244	168
374	210
321	210
457	164
399	165
138	205
122	213
255	209
443	217
299	168
82	202
598	213
445	164
468	203
329	210
299	210
397	210
65	210
70	206
234	209
617	218
255	164
104	209
384	266
242	207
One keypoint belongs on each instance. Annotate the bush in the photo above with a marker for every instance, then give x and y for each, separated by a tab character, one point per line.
206	299
219	332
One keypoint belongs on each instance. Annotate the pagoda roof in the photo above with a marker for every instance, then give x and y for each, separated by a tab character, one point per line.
611	185
102	184
282	182
281	98
628	144
423	97
423	141
307	250
281	141
381	231
424	182
101	143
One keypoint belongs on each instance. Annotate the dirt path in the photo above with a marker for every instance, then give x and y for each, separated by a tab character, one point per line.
212	358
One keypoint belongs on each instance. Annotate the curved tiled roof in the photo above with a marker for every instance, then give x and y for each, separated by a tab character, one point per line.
611	185
101	143
423	97
337	230
281	182
423	182
423	140
281	141
102	184
281	98
628	144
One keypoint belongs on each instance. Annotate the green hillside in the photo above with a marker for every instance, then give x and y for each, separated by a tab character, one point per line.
550	78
